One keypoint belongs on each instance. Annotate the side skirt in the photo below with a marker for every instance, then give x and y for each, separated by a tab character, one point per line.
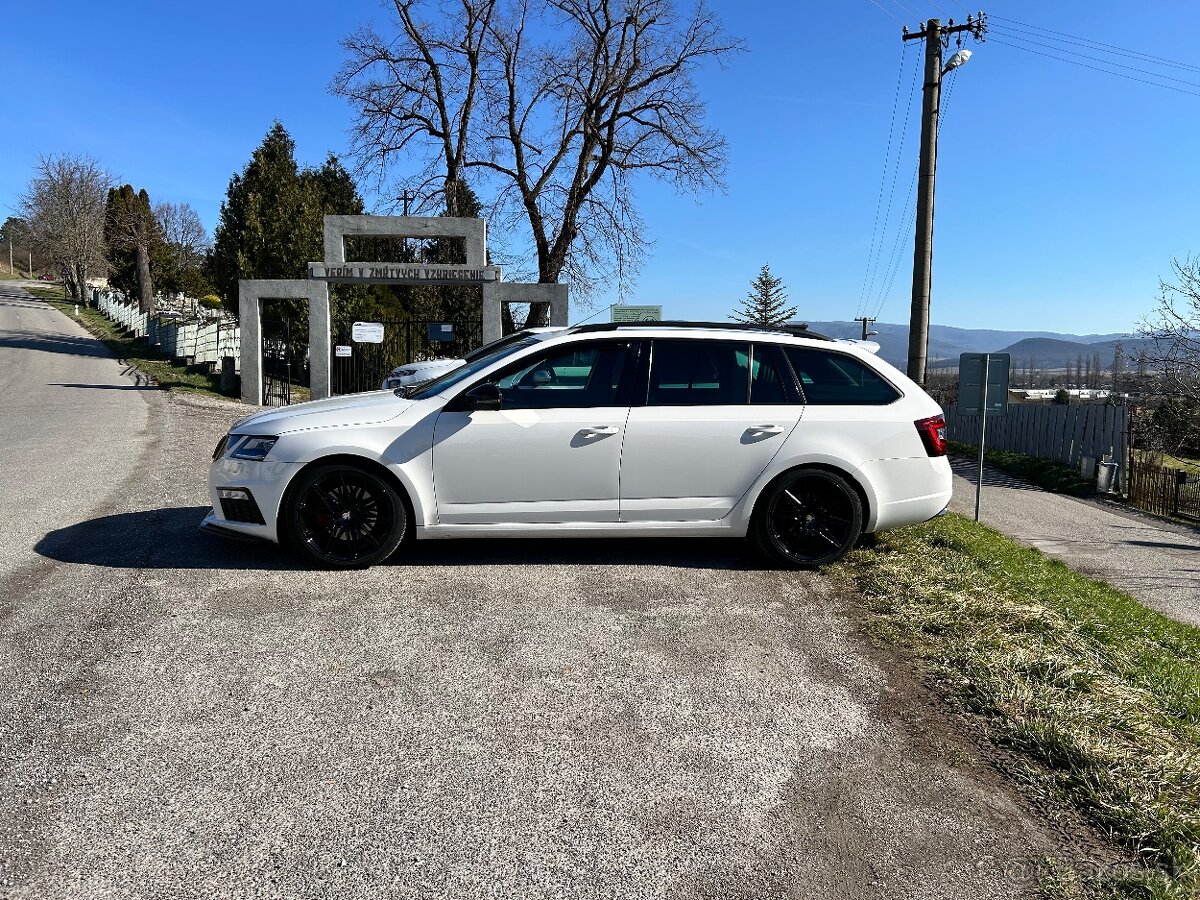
716	529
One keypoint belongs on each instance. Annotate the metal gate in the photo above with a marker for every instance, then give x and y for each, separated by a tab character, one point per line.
404	341
284	358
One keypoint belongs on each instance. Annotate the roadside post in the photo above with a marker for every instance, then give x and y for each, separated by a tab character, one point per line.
983	391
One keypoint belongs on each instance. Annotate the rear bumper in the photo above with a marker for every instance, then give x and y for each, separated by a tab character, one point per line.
909	490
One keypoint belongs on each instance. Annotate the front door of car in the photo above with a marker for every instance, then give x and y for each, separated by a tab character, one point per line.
716	413
551	453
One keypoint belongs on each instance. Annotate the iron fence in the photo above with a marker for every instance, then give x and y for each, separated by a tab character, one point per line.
404	341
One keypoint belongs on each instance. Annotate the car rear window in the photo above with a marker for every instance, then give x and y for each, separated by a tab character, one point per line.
835	379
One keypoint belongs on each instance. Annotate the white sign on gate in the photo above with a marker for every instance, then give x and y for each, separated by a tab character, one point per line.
367	332
341	350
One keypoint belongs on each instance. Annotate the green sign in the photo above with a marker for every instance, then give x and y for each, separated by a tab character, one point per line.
637	313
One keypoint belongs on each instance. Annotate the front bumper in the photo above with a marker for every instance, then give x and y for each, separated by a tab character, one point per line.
265	481
212	523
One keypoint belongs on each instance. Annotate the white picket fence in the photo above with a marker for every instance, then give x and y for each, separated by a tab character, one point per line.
1065	433
194	340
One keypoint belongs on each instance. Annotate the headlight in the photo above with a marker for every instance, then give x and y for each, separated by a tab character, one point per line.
250	446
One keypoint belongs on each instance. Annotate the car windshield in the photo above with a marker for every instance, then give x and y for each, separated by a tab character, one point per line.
496	351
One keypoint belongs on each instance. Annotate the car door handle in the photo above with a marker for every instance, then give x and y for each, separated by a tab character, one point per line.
597	430
764	429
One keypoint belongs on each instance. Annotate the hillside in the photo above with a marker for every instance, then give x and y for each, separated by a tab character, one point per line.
946	342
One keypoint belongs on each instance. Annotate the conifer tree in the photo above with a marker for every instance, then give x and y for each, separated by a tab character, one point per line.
766	304
271	223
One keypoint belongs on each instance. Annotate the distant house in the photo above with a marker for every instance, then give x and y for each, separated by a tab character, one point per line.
1046	395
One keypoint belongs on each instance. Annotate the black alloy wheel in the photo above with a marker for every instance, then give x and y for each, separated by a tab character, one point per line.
344	517
808	518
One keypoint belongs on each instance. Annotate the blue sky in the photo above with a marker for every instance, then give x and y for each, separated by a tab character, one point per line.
1063	193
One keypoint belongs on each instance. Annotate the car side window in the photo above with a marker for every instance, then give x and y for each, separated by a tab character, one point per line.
837	379
768	386
698	373
564	377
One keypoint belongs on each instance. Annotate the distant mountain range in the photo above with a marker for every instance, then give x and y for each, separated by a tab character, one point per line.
1051	349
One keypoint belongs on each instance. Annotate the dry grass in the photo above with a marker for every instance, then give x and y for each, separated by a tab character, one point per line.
1100	694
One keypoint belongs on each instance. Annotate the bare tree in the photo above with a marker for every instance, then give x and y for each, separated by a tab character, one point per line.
557	104
184	233
64	205
419	90
1174	330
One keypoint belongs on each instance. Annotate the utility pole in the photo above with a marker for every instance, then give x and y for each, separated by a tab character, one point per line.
936	36
866	321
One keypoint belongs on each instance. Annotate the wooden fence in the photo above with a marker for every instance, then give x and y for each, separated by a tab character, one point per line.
1064	433
1167	492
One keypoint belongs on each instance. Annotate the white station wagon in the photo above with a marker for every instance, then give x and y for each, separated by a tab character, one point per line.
799	442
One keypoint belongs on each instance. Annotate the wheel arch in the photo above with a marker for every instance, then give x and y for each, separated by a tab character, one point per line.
865	495
374	466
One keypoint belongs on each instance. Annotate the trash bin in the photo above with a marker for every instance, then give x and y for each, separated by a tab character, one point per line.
1106	477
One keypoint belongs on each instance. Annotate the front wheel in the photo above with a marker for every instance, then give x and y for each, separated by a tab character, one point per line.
344	517
807	518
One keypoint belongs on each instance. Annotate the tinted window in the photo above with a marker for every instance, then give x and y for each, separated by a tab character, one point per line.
499	350
836	379
576	377
766	376
698	373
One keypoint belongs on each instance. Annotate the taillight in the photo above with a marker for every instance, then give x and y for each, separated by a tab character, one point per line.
933	435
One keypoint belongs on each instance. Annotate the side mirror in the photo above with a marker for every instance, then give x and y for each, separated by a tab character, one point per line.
484	396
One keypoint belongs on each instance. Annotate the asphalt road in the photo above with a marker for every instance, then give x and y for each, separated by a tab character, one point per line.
1155	561
186	717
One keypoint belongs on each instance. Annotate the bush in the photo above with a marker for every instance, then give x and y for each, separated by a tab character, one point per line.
211	301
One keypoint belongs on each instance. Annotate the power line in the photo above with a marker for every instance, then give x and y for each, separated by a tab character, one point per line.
902	233
1169	87
1016	35
907	10
883	174
886	11
1113	47
874	267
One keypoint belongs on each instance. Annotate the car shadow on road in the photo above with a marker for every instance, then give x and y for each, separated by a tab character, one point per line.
158	539
695	553
168	539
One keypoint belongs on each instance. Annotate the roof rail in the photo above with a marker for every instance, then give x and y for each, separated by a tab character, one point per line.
795	330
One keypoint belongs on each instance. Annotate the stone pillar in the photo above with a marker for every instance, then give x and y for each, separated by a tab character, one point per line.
251	351
489	296
251	293
319	349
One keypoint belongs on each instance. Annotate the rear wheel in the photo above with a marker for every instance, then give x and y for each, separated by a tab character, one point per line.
808	518
344	517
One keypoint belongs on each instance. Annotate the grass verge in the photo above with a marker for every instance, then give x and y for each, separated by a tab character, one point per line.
1045	473
134	351
1098	694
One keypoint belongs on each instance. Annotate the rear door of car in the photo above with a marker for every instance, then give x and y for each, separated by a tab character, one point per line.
713	415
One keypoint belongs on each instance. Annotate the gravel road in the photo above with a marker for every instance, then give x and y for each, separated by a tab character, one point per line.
185	717
1157	562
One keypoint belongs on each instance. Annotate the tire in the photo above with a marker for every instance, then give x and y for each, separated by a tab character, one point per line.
807	518
341	516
